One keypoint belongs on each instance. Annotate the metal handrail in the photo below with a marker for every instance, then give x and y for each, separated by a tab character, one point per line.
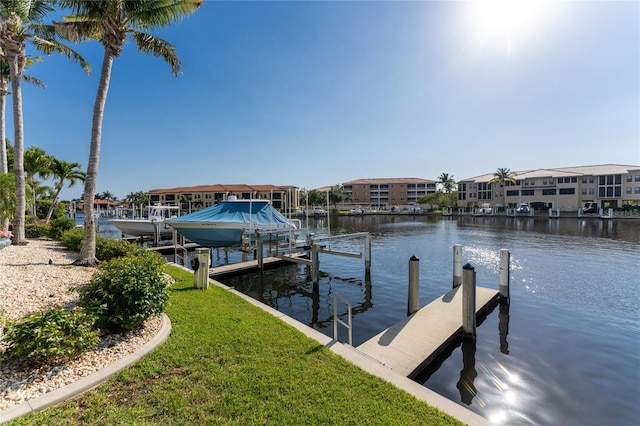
337	320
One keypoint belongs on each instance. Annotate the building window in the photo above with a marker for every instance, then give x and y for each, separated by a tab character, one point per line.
629	190
567	191
584	191
637	178
549	191
592	191
592	179
628	178
574	180
636	190
513	193
584	179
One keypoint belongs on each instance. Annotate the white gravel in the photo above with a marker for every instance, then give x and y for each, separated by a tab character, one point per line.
39	276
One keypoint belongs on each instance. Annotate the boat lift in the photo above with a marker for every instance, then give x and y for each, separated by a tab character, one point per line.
314	246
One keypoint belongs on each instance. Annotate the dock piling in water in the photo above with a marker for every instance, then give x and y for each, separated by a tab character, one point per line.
505	261
457	265
469	299
413	302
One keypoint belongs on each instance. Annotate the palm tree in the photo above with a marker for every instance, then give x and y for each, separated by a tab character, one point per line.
5	78
501	176
139	198
36	162
63	171
447	182
110	21
21	22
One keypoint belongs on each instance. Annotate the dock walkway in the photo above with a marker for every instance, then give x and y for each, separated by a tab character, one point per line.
410	345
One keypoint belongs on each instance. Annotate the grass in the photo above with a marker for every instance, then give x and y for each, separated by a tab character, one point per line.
228	362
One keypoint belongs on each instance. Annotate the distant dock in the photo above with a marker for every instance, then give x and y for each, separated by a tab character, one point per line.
412	344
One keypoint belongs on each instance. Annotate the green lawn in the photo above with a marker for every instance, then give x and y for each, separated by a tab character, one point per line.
228	362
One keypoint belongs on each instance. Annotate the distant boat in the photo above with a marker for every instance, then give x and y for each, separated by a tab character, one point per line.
485	210
523	210
224	224
147	226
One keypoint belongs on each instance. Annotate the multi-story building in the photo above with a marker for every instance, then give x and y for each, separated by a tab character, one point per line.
609	185
384	193
283	198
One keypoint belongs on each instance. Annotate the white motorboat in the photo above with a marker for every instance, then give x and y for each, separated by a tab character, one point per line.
224	224
523	210
144	226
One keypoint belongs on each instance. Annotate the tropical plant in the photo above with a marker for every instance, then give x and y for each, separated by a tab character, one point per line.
447	182
126	291
110	21
337	195
138	198
501	176
55	335
7	198
107	196
63	171
36	162
21	21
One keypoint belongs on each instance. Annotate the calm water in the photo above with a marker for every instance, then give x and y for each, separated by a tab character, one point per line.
565	352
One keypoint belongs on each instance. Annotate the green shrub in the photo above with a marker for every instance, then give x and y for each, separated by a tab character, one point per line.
33	230
51	336
72	239
59	226
126	291
106	248
111	248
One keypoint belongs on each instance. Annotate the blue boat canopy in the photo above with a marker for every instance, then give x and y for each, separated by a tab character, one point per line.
258	212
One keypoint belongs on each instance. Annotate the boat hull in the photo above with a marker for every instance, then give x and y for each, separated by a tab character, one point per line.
221	234
141	227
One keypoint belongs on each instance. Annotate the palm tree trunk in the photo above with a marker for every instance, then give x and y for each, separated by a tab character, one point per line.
18	152
4	167
88	251
54	203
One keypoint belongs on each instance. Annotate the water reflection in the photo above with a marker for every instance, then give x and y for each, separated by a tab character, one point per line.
284	289
468	373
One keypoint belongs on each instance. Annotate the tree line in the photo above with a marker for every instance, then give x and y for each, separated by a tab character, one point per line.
24	29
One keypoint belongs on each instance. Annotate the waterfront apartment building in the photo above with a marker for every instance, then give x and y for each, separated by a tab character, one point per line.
385	193
283	198
609	185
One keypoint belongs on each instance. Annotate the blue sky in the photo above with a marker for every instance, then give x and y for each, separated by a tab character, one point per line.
319	93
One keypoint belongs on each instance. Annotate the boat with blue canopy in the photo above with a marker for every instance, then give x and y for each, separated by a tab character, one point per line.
225	223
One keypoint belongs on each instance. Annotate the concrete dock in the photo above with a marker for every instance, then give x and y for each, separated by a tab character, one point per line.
410	345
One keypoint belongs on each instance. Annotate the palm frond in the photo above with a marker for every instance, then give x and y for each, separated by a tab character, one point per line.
54	46
158	47
154	14
35	81
77	30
